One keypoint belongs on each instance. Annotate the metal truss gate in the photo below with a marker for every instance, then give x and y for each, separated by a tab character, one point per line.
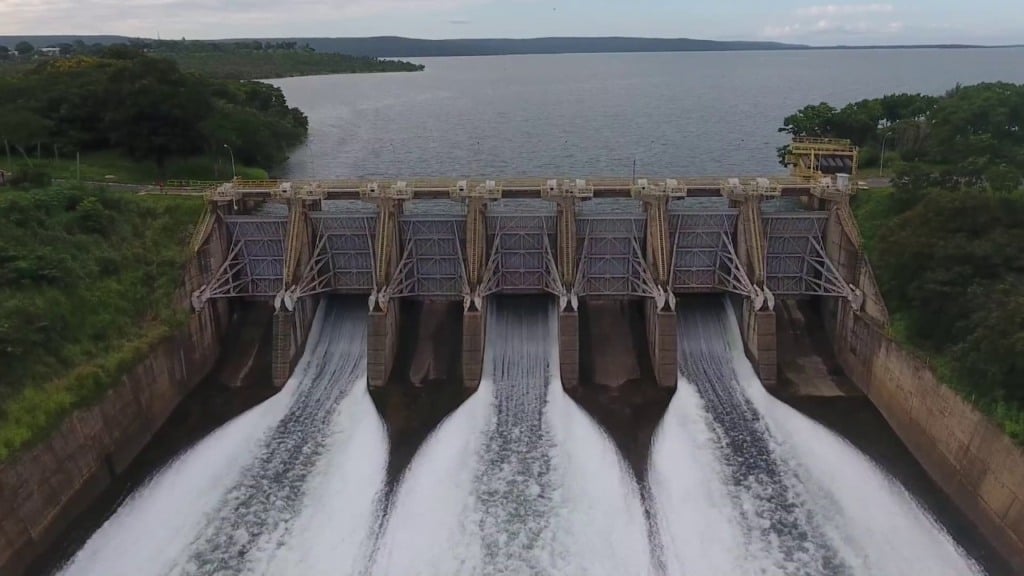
432	265
704	253
343	254
255	262
612	262
796	261
521	235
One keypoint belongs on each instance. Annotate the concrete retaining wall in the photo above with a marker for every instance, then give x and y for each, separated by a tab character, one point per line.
967	455
44	488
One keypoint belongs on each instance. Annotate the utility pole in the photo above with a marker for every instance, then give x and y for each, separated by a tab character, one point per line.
881	161
232	153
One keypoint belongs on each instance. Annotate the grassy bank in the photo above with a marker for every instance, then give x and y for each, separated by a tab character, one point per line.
86	281
115	167
949	265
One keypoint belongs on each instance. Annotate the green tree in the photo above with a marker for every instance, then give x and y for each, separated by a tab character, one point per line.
815	120
21	127
24	48
931	258
159	110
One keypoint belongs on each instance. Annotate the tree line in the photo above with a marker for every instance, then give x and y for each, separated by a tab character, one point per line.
146	108
232	60
946	239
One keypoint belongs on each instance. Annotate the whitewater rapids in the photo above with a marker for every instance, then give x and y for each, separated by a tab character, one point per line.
519	480
744	484
287	488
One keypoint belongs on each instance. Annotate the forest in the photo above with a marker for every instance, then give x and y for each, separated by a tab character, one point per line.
144	108
946	239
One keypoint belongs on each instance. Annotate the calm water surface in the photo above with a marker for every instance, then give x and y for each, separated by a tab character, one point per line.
683	114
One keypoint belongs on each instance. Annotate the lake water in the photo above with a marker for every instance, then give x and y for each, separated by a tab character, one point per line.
587	115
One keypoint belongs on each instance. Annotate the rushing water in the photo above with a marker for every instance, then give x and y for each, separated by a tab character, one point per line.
289	487
744	484
519	480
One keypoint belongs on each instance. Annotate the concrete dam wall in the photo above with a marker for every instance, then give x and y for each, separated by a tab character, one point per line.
45	487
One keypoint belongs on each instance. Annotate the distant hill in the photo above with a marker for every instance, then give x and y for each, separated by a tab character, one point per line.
399	47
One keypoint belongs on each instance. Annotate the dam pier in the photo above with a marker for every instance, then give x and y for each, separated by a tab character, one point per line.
593	245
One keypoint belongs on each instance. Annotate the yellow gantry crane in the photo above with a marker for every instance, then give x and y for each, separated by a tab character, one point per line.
816	157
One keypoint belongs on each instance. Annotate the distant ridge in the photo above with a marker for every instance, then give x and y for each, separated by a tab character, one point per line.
401	47
396	46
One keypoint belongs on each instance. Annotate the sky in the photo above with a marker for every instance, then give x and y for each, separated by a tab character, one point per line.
806	22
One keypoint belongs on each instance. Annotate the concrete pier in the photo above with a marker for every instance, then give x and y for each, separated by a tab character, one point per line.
663	343
473	332
569	348
767	348
284	322
381	344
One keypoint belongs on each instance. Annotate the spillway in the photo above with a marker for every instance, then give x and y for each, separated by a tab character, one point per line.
744	484
519	480
288	487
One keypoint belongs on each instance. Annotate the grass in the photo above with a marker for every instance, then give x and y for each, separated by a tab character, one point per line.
874	210
87	278
118	168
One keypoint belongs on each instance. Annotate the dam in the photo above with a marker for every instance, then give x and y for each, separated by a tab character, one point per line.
590	244
542	287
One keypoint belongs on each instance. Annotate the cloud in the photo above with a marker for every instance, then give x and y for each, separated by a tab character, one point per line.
825	22
845	9
204	18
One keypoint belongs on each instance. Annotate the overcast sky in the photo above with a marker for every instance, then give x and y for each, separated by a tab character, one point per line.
897	21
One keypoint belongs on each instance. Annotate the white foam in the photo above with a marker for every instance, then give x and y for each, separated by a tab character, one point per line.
877	525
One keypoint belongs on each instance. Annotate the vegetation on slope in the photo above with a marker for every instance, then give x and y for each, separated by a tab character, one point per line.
86	283
946	241
143	108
